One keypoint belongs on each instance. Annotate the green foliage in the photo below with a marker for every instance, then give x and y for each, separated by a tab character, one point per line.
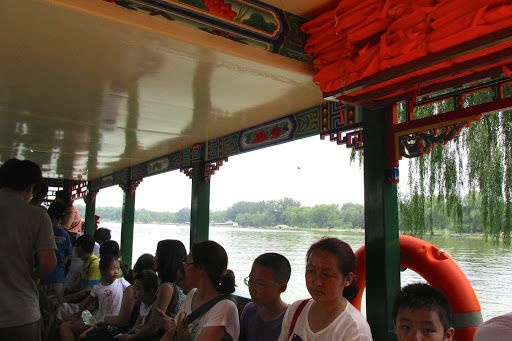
289	212
478	161
297	216
434	218
324	215
285	211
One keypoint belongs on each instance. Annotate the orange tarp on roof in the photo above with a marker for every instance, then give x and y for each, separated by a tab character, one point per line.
363	37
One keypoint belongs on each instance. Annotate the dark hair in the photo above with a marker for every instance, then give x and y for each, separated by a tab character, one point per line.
57	210
102	235
40	191
280	266
170	253
105	262
64	196
144	262
423	296
19	174
149	280
86	243
214	259
346	260
181	271
110	247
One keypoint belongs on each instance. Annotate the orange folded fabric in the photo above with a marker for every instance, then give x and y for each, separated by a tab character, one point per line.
362	37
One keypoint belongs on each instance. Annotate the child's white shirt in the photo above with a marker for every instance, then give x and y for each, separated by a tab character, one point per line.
109	297
144	311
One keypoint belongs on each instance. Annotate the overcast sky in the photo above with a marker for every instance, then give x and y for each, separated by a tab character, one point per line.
312	171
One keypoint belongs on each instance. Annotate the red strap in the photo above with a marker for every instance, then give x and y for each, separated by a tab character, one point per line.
297	314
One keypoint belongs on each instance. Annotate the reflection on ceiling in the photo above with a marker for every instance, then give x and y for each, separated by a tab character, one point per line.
88	88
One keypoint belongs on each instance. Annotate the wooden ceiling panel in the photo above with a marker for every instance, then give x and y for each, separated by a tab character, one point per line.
88	88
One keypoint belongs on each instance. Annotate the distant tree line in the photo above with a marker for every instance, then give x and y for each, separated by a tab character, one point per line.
290	212
114	214
285	211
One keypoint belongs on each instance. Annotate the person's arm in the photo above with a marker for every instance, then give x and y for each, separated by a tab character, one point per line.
68	251
81	307
212	334
137	323
44	247
123	318
68	220
161	320
84	334
47	262
169	335
79	295
86	303
74	287
222	321
162	301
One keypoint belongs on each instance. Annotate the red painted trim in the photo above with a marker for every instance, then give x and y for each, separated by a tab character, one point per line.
460	114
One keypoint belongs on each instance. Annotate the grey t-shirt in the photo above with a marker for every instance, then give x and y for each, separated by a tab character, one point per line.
24	231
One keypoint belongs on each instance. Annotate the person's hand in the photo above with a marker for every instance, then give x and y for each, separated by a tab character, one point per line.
84	334
122	337
73	317
161	320
101	324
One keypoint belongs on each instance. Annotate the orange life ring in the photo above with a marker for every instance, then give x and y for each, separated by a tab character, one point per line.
440	271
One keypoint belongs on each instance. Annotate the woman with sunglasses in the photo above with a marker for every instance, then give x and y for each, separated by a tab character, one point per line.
206	270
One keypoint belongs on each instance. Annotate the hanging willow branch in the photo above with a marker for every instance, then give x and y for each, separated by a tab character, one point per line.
479	160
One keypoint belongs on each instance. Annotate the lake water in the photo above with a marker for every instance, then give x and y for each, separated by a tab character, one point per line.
488	267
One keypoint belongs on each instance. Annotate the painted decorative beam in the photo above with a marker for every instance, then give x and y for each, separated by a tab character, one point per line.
333	125
247	22
418	137
330	119
78	188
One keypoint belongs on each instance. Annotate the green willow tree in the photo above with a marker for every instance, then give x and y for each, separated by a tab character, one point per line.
478	161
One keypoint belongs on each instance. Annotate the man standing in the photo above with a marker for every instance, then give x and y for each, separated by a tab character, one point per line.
27	250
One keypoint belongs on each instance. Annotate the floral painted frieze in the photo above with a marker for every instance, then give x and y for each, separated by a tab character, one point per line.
240	12
271	133
248	22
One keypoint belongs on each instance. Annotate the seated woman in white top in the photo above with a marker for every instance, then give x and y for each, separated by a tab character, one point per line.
330	281
206	270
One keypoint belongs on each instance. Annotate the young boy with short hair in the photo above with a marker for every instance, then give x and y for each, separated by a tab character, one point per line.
422	312
263	317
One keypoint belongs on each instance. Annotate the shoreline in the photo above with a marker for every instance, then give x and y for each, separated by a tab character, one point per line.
295	228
